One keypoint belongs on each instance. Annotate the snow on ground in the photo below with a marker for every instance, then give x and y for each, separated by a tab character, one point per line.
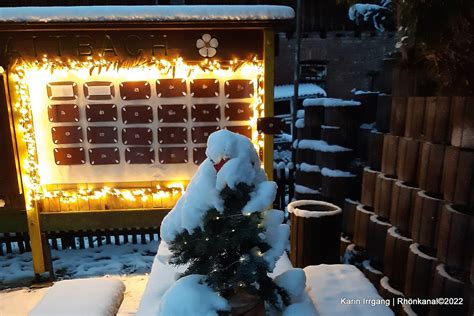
82	263
131	263
146	13
20	301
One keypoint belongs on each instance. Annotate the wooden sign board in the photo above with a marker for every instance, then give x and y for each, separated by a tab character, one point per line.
114	111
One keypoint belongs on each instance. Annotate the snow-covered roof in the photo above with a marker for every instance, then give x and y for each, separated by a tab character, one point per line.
304	90
158	13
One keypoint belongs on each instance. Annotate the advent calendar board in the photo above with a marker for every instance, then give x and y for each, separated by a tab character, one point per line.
134	124
111	108
105	111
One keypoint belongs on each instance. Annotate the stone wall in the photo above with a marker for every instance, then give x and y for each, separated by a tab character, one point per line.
349	59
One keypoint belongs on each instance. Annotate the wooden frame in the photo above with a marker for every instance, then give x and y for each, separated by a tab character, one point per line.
62	219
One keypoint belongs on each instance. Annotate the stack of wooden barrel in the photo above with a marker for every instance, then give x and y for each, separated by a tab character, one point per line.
328	151
415	222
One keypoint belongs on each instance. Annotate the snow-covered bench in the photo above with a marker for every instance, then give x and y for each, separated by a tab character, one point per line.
91	297
328	286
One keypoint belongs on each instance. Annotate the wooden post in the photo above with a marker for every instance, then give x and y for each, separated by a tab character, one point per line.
34	228
269	64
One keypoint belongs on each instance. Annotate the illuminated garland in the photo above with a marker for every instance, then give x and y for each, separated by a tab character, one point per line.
177	67
124	194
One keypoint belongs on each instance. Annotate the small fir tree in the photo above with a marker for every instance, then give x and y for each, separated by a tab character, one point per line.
228	250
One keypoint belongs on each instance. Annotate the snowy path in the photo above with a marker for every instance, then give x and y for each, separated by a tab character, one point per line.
130	263
19	302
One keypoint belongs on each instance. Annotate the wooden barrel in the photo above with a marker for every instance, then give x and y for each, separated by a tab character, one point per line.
398	115
369	177
354	255
330	159
315	232
362	148
345	242
458	176
368	105
348	217
375	144
308	176
306	155
426	216
338	185
453	285
347	117
314	116
420	268
389	292
436	122
335	135
415	117
407	159
389	154
462	117
402	205
396	255
383	195
384	104
455	240
371	273
430	169
377	233
361	225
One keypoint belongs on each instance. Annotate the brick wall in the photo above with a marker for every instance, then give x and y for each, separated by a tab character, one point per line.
349	59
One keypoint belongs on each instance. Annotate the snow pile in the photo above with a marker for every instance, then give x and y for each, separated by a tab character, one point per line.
287	91
326	172
299	123
370	126
319	145
300	114
331	285
199	298
359	92
92	297
329	102
305	167
305	190
330	127
242	165
294	282
149	13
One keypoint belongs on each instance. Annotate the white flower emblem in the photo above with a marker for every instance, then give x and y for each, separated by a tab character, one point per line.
207	45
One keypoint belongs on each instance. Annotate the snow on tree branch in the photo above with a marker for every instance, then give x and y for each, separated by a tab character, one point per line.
377	13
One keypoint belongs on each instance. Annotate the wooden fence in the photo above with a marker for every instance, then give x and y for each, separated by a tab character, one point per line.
19	242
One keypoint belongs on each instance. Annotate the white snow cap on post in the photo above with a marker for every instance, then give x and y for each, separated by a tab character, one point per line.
151	13
329	102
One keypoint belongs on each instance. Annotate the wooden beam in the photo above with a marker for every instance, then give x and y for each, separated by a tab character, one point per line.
96	220
269	65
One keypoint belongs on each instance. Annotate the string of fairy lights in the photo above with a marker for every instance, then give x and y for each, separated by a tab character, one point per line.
34	191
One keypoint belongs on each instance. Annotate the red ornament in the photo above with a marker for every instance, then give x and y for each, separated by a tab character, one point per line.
221	163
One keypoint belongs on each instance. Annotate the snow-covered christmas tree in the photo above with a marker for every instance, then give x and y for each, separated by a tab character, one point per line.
224	234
